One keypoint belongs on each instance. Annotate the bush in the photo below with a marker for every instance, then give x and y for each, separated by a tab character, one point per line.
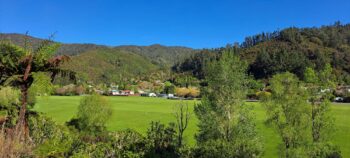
129	143
162	140
187	92
263	94
67	90
93	113
327	150
193	92
79	90
51	140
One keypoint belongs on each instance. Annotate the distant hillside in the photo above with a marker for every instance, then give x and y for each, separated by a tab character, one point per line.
291	49
159	54
68	49
110	65
106	64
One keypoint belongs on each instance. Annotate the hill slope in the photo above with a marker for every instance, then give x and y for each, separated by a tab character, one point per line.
291	49
107	64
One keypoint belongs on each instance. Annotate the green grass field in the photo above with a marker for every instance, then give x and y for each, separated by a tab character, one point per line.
137	112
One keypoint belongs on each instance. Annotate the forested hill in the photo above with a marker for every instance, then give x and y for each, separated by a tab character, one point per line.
291	49
109	64
158	54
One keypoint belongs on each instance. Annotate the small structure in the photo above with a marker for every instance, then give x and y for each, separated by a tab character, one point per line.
114	92
127	92
152	94
149	94
162	95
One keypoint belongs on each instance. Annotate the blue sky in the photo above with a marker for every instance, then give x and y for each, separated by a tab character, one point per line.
192	23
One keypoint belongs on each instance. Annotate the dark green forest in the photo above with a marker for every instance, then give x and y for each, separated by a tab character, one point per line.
291	49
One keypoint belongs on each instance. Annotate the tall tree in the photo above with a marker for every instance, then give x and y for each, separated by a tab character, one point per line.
18	65
224	119
319	86
288	111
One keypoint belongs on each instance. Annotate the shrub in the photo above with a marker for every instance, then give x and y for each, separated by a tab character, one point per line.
182	92
67	90
51	140
193	92
129	143
263	94
93	113
325	150
79	90
162	140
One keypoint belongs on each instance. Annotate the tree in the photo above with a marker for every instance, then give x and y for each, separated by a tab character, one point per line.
288	111
169	88
319	87
182	115
17	66
162	140
223	117
93	113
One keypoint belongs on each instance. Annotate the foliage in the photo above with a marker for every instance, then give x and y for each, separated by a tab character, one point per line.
323	127
99	63
291	49
93	113
169	88
51	140
9	105
186	81
187	92
196	64
225	121
69	90
8	97
289	113
129	143
19	65
110	66
42	84
182	91
193	92
162	140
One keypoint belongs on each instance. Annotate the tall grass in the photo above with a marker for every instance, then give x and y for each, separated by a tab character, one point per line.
11	146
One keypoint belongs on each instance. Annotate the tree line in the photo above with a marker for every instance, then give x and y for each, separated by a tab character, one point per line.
291	49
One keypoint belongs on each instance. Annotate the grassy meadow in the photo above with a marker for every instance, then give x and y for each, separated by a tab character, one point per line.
137	113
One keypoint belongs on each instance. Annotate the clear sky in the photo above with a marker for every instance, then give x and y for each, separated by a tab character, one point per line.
192	23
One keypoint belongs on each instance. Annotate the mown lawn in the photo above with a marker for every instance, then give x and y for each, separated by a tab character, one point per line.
137	113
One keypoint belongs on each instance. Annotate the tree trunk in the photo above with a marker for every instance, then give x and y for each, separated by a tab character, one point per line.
20	126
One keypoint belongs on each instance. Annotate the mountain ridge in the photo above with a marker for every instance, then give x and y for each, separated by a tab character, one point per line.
100	63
